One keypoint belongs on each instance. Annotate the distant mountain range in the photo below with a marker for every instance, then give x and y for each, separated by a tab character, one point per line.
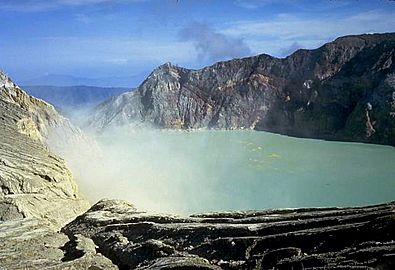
68	80
73	96
344	90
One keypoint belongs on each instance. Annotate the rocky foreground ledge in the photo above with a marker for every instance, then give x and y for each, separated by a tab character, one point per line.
314	238
115	235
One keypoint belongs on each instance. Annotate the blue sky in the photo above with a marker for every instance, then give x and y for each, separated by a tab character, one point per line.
128	38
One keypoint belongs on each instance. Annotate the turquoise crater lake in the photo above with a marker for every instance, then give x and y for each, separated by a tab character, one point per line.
200	171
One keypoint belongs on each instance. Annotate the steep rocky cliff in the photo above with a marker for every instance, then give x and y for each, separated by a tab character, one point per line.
38	194
344	90
33	181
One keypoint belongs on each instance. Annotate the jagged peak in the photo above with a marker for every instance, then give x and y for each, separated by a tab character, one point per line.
5	80
361	40
168	66
368	36
11	92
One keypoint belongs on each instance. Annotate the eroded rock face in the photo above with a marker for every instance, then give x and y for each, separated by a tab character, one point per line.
318	93
34	182
38	194
341	238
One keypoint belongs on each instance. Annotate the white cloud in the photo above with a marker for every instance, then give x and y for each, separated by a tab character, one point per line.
273	34
253	4
83	18
94	57
99	51
43	5
211	45
306	5
287	50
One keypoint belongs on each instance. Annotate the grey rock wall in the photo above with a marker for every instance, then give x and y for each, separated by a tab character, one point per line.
321	93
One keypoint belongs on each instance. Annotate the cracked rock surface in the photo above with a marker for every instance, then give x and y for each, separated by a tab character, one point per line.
32	243
316	238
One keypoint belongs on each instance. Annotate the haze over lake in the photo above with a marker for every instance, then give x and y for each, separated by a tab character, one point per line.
199	171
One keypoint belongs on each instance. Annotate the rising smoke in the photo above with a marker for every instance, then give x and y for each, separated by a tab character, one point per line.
151	168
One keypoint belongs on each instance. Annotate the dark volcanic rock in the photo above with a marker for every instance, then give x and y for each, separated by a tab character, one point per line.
343	90
322	238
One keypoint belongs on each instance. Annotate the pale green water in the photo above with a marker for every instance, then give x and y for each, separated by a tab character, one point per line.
200	171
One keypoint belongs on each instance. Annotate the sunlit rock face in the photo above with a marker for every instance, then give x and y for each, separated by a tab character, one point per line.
34	182
38	194
319	93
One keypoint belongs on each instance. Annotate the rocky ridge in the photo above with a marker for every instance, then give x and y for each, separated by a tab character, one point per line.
343	90
33	181
315	238
38	194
